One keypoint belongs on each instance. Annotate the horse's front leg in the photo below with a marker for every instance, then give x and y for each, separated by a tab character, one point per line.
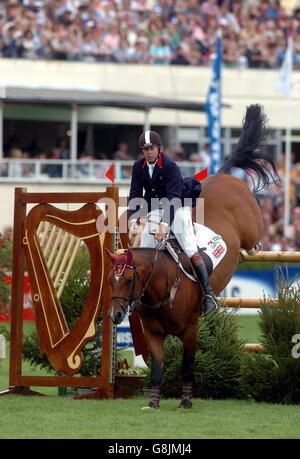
187	368
156	349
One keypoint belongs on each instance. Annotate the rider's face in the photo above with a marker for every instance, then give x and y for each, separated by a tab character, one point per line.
150	153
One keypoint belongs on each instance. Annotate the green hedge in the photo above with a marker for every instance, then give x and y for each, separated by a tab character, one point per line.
275	376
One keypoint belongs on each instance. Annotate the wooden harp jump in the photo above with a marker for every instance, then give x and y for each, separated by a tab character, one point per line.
51	239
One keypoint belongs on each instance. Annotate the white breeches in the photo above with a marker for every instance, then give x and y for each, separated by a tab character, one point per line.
182	228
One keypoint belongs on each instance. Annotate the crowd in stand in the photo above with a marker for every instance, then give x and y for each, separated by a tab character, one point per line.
272	208
157	32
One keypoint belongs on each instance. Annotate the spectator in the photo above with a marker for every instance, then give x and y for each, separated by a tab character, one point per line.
88	47
17	168
60	43
180	57
112	39
63	148
29	49
121	53
160	53
122	152
254	54
53	170
233	55
11	45
205	156
83	169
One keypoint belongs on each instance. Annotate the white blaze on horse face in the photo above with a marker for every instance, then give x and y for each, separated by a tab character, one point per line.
111	312
117	278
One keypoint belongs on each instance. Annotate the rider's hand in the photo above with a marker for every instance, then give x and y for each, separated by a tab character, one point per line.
161	232
134	227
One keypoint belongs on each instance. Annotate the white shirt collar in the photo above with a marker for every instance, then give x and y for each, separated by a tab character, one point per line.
151	165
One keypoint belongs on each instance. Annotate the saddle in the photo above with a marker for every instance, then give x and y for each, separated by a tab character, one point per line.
173	248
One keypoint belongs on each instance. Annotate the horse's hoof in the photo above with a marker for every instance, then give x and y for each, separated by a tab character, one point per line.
150	407
186	404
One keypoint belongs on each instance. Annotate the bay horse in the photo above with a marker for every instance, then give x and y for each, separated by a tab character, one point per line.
143	277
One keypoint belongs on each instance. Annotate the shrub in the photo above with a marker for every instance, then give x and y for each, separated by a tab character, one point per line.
6	243
274	376
218	359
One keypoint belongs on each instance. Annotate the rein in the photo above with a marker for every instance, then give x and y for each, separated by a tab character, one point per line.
129	304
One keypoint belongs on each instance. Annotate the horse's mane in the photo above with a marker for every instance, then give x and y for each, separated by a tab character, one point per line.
143	249
248	153
148	252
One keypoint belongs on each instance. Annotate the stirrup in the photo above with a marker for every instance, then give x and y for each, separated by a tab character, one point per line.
210	310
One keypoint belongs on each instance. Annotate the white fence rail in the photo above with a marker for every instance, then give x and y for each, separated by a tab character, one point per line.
36	170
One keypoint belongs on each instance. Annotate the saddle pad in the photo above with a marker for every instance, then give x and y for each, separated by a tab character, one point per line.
215	247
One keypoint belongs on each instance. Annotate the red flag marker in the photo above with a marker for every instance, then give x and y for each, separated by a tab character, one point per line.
201	175
110	174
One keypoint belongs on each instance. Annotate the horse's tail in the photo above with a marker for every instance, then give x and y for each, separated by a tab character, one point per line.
248	153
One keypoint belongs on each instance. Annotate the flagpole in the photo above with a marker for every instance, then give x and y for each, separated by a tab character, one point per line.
213	109
288	139
287	167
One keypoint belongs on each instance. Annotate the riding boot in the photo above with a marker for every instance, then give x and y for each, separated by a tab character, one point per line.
211	301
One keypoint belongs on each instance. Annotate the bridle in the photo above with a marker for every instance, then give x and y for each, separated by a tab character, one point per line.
129	304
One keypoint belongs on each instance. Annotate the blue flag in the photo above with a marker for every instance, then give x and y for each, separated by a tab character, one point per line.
213	111
284	82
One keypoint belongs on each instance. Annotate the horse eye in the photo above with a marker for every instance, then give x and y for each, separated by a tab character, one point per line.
128	281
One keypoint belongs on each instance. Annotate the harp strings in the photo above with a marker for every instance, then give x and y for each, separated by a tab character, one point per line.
59	249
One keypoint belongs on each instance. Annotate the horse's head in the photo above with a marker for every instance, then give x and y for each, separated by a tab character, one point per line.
122	280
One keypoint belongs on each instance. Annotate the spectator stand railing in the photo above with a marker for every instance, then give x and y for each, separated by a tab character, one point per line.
36	170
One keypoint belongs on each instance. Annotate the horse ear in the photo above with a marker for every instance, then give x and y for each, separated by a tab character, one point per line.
129	254
110	255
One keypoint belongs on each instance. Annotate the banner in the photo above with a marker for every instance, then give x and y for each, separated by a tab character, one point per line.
28	314
284	85
213	111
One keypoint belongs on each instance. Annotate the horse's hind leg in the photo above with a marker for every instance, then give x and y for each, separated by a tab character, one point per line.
187	368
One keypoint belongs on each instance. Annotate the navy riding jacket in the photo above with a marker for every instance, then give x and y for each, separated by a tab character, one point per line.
166	182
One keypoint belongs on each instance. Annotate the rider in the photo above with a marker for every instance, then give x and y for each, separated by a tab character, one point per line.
160	178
